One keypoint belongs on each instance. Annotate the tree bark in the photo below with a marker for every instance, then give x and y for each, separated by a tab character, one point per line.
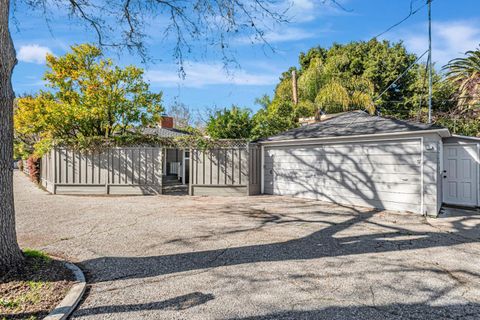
10	253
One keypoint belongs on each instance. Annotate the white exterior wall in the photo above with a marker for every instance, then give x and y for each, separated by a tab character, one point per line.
432	170
394	173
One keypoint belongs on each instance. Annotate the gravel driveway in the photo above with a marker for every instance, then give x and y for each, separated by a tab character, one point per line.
265	257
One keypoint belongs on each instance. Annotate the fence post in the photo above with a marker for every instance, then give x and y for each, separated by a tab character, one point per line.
190	173
107	171
249	171
54	168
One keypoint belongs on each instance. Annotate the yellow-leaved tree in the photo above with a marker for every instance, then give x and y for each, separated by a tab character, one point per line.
89	97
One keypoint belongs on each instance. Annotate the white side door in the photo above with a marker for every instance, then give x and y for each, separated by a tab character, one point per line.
460	174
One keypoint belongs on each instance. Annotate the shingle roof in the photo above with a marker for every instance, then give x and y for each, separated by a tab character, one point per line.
349	124
165	132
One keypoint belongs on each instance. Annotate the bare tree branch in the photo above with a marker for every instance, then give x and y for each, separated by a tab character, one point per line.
190	24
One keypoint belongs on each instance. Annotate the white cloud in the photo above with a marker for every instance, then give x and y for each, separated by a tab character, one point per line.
38	83
301	10
205	74
282	35
300	14
33	53
309	10
450	39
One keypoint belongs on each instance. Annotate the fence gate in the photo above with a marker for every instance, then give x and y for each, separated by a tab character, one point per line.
229	171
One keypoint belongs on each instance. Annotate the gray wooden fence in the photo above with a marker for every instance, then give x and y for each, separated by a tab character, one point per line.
126	170
225	171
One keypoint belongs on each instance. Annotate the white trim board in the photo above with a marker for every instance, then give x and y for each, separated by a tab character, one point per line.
466	137
357	138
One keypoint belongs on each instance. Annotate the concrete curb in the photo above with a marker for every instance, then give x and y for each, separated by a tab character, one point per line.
68	304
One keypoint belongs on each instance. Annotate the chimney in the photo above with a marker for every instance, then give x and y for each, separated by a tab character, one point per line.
166	122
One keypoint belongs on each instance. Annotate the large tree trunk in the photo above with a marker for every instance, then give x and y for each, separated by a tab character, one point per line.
10	254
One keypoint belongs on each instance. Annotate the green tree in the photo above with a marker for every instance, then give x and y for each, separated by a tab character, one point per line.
272	119
233	123
345	95
352	76
90	97
465	72
463	115
443	96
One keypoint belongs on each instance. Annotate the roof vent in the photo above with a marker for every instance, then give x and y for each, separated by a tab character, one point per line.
307	120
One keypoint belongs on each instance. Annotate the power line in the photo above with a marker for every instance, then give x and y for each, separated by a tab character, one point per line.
453	99
411	13
400	76
423	86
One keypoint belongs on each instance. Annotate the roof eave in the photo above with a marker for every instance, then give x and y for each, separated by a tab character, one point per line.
465	137
442	132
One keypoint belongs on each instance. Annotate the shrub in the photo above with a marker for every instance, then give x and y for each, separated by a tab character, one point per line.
33	165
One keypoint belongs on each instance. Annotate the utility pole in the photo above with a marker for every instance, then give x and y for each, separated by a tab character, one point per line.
294	87
429	61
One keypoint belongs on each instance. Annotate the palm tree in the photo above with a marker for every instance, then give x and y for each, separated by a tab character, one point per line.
465	72
346	94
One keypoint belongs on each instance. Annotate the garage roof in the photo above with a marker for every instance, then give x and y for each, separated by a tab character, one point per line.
351	124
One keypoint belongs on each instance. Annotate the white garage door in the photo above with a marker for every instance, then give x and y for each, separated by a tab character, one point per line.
383	175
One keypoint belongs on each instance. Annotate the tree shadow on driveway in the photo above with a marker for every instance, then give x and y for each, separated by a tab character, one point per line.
177	304
319	244
393	311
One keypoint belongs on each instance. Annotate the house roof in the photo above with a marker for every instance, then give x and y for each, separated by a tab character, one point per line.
351	123
165	132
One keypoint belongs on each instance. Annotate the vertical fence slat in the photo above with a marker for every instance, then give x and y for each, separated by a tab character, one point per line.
140	164
203	166
224	165
67	166
210	165
132	167
106	156
123	166
219	167
240	180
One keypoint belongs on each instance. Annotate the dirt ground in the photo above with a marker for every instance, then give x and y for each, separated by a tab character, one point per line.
33	291
263	257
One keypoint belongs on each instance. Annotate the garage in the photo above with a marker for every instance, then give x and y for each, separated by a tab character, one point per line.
377	174
358	159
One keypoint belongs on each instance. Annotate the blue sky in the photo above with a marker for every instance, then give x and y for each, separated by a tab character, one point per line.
456	28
